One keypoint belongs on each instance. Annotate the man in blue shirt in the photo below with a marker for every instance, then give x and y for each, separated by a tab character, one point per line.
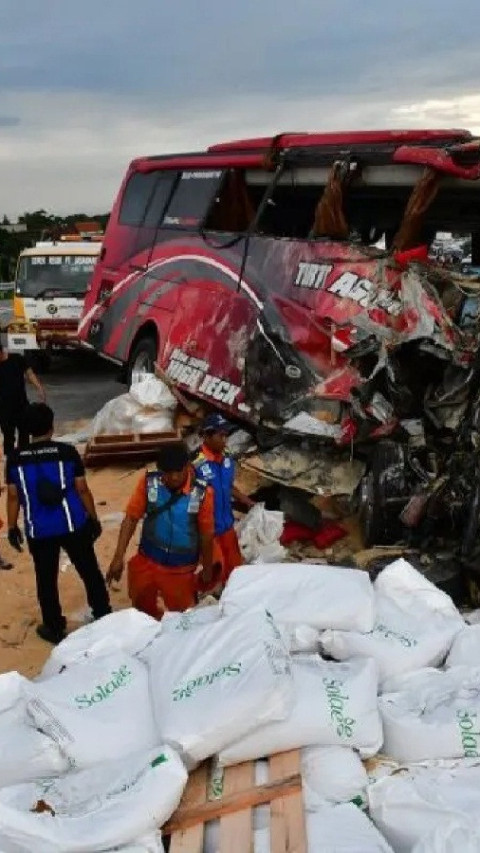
215	465
47	479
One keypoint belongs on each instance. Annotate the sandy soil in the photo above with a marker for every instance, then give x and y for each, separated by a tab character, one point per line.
20	648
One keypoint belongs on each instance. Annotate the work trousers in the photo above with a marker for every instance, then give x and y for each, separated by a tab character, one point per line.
81	553
11	424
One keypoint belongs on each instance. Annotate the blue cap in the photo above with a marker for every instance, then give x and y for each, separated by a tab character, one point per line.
216	423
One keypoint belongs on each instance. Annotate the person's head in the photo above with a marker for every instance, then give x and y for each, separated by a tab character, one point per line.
215	431
173	462
39	420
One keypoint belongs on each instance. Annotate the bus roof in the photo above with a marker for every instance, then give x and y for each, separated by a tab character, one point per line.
452	151
62	248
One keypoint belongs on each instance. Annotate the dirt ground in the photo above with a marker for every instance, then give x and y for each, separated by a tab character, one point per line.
20	648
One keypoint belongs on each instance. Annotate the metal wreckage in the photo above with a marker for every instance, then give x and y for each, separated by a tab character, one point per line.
304	299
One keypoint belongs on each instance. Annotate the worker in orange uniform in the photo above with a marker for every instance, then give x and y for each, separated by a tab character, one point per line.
215	465
178	526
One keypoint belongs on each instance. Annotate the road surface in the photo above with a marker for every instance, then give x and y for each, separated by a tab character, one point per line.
78	385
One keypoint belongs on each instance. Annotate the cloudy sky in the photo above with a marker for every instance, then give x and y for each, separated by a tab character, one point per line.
86	86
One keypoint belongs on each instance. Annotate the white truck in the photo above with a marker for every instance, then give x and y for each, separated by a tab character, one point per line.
49	290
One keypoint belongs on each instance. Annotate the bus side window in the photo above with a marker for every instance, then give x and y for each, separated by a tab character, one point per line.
192	199
143	205
234	207
137	193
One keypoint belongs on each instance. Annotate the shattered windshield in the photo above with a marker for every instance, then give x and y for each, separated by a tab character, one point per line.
39	275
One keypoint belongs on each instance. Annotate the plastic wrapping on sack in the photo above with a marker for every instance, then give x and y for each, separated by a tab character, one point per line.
465	650
96	710
335	705
259	535
457	837
124	630
343	829
414	626
194	618
151	392
433	715
93	810
332	774
25	752
300	639
406	808
148	407
212	685
303	594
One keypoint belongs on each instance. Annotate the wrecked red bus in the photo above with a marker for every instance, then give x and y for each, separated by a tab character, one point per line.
290	280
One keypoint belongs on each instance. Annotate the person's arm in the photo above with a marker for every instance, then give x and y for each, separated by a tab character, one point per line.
117	565
33	379
206	530
242	498
134	512
13	507
86	497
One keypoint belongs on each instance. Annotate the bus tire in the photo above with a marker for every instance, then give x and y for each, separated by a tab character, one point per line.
142	359
384	481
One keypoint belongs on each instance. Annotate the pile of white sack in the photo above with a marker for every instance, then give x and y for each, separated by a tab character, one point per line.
377	684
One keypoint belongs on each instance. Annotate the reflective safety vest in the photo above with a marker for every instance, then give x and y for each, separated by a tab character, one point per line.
220	476
170	528
44	476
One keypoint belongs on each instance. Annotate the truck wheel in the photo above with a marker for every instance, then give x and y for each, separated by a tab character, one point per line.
381	492
142	359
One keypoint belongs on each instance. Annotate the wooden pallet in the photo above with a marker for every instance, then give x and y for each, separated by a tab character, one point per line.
234	809
136	448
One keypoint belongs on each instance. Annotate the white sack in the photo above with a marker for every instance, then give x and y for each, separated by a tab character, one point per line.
457	837
335	705
96	809
151	843
343	829
433	716
147	407
212	685
406	808
415	624
25	753
465	649
96	710
149	391
126	630
332	774
259	532
11	690
194	618
316	595
301	639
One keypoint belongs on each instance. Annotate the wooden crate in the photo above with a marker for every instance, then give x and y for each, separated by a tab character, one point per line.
234	809
134	448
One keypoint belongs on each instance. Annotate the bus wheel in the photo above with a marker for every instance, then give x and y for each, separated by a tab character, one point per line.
142	359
